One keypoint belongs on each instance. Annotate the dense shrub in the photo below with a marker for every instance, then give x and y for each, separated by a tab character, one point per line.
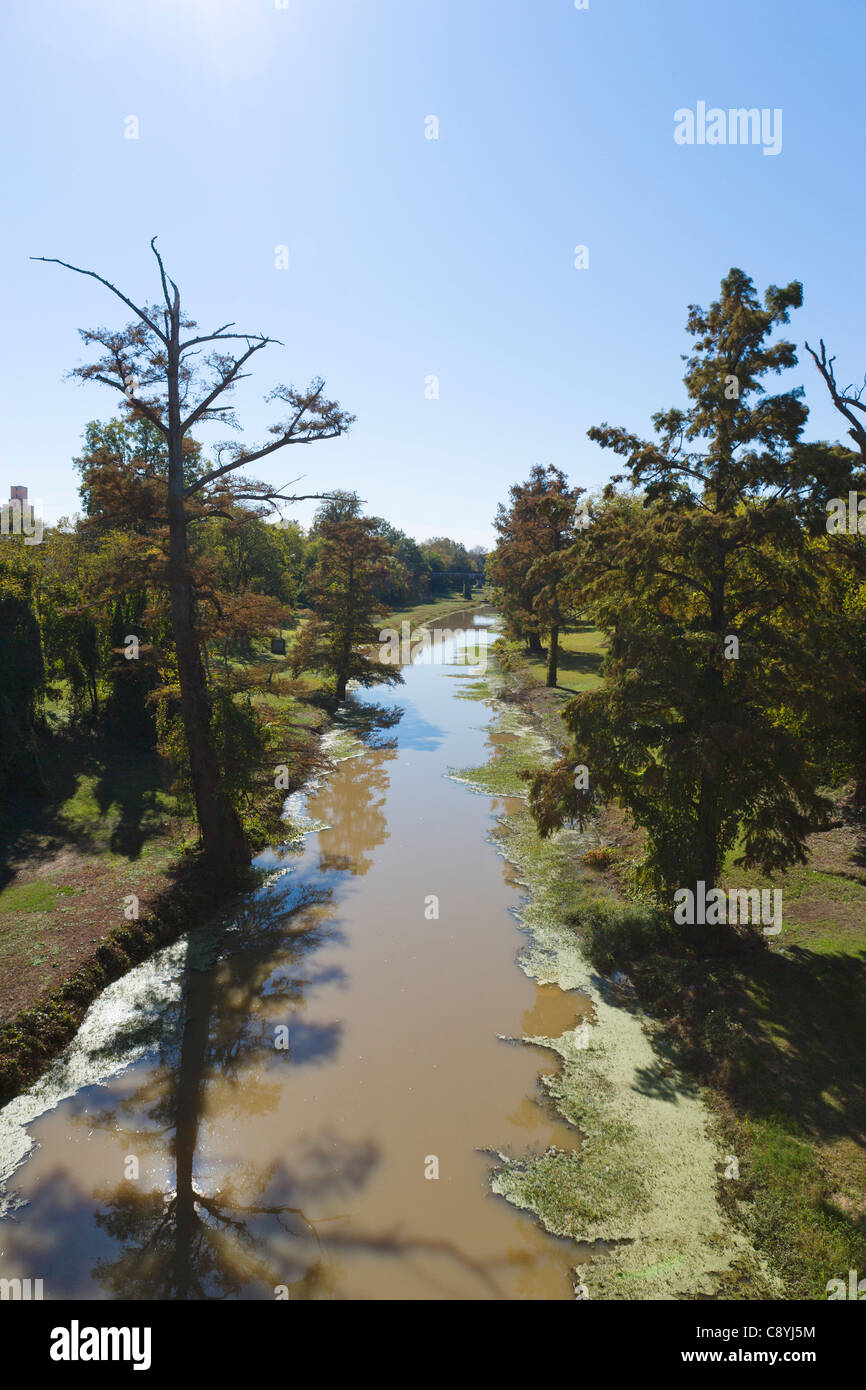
616	934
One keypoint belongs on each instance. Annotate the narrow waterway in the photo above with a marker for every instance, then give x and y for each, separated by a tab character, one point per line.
265	1106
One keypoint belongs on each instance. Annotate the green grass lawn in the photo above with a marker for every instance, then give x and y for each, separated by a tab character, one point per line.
421	613
32	897
581	653
797	1101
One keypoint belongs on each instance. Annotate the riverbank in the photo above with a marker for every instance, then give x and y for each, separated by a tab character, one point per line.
96	882
642	1185
734	1122
251	1067
104	871
437	608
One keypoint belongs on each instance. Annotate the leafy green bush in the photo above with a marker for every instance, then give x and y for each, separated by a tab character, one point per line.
237	740
615	934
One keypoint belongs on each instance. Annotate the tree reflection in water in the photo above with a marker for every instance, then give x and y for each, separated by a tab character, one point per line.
249	1233
198	1223
187	1239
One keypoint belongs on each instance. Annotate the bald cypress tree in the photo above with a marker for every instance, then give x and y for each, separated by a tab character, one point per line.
710	590
176	378
526	568
341	636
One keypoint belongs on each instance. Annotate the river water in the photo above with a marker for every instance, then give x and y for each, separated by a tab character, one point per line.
304	1099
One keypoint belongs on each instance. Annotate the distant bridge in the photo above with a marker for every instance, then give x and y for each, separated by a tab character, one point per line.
469	577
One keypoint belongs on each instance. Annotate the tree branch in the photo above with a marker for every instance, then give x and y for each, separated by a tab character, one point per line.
52	260
221	386
133	400
168	301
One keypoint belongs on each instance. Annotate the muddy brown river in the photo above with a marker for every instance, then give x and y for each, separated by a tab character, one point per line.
304	1098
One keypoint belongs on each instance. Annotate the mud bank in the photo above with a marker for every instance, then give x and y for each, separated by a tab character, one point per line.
642	1188
118	1019
32	1038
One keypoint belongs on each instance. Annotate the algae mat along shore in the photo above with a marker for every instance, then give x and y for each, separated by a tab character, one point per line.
641	1189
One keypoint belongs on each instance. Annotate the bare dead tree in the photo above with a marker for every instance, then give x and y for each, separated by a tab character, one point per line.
848	400
176	383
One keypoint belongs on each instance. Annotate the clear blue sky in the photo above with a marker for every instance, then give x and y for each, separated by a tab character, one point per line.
304	126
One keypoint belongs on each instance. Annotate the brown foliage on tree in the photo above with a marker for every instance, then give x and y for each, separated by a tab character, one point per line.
528	565
177	378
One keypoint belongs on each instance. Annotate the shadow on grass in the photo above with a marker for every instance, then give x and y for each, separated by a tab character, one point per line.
807	1054
859	855
127	785
583	663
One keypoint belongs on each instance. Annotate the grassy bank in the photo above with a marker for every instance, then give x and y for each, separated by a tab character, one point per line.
641	1187
104	870
775	1033
581	653
109	828
421	613
758	1053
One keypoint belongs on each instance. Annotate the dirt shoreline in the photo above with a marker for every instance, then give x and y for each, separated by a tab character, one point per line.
174	898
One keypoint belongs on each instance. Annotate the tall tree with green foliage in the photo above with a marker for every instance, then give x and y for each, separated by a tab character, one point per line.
22	675
710	591
351	568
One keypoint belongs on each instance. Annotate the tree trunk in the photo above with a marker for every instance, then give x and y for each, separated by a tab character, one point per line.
535	646
553	657
188	1098
709	800
341	687
223	839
